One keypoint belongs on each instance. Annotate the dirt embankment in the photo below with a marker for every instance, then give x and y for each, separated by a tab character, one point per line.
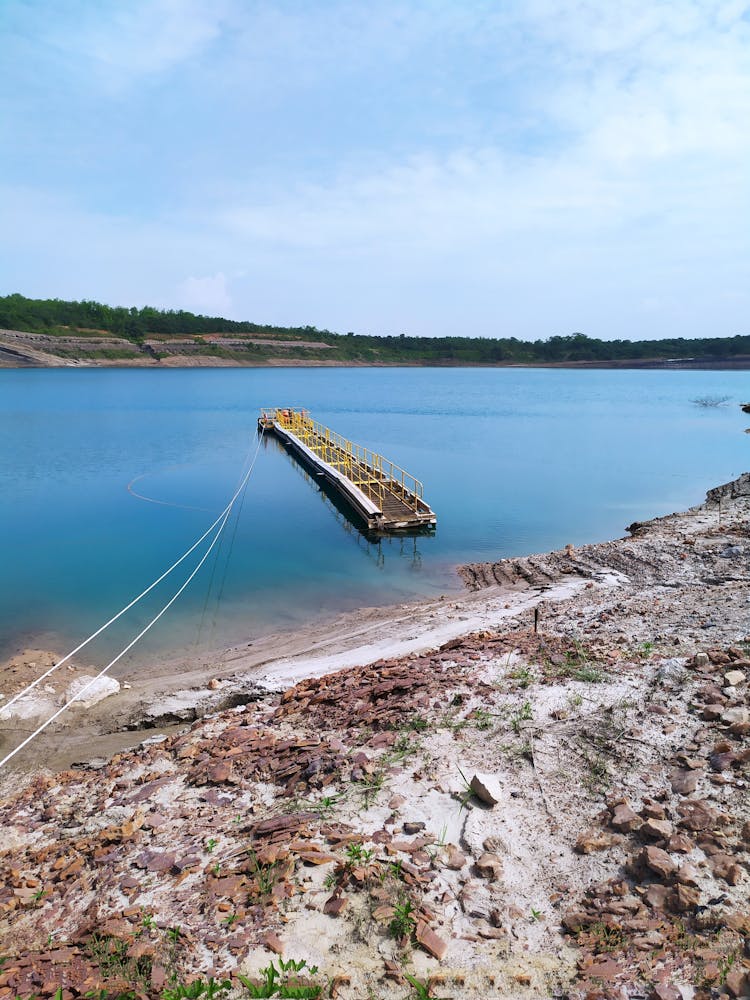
100	349
509	813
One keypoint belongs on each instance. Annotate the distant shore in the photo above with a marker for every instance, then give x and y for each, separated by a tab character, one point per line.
99	349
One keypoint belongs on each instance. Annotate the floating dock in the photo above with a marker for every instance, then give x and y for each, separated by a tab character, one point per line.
386	497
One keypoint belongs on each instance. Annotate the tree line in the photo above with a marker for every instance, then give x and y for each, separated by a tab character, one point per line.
59	316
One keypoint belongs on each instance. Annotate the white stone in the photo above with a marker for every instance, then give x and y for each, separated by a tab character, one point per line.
31	706
101	688
734	677
487	788
734	715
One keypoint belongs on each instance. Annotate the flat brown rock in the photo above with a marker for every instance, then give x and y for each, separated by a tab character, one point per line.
274	943
683	781
658	861
593	840
430	941
656	829
657	896
334	905
490	866
624	818
155	861
697	815
454	859
685	898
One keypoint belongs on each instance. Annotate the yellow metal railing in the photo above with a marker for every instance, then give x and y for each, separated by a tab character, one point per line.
372	473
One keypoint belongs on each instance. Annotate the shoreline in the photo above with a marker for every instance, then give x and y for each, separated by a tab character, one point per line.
536	789
177	363
21	350
503	594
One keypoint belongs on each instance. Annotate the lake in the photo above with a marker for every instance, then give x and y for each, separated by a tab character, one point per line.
513	461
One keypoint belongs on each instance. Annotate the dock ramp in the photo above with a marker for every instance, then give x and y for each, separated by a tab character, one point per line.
389	499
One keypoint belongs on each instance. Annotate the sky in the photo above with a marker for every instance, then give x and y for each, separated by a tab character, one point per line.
521	168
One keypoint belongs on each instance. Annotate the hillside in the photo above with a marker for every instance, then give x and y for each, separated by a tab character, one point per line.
53	332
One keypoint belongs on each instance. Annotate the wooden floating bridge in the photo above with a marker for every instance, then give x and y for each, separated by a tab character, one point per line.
384	495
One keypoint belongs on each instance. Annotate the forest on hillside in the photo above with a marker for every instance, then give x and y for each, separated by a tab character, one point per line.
57	316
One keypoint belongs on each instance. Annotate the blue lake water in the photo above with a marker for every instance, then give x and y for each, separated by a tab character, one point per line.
513	461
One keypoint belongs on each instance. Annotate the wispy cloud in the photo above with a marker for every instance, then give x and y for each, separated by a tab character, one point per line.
117	45
428	166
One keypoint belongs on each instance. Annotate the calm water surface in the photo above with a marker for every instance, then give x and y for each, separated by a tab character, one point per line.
513	461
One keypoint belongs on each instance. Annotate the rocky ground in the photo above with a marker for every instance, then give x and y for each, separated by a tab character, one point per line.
521	811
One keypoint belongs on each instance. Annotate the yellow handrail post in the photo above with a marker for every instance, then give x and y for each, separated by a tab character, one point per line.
377	477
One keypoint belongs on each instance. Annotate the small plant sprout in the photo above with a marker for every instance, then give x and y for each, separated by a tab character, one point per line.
148	921
197	990
482	718
265	875
598	773
468	792
229	919
421	990
589	674
210	844
371	786
402	747
524	714
356	854
606	937
403	922
536	915
325	806
285	981
522	676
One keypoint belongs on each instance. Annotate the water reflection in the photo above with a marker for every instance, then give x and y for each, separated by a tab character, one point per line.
374	545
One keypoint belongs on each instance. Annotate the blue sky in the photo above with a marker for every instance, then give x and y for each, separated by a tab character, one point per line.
522	168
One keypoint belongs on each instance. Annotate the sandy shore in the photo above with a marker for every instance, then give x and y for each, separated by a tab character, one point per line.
177	690
669	579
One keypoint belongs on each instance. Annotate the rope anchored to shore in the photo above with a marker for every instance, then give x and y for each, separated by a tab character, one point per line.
219	524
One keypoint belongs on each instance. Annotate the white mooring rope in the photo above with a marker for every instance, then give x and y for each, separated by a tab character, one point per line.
221	521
